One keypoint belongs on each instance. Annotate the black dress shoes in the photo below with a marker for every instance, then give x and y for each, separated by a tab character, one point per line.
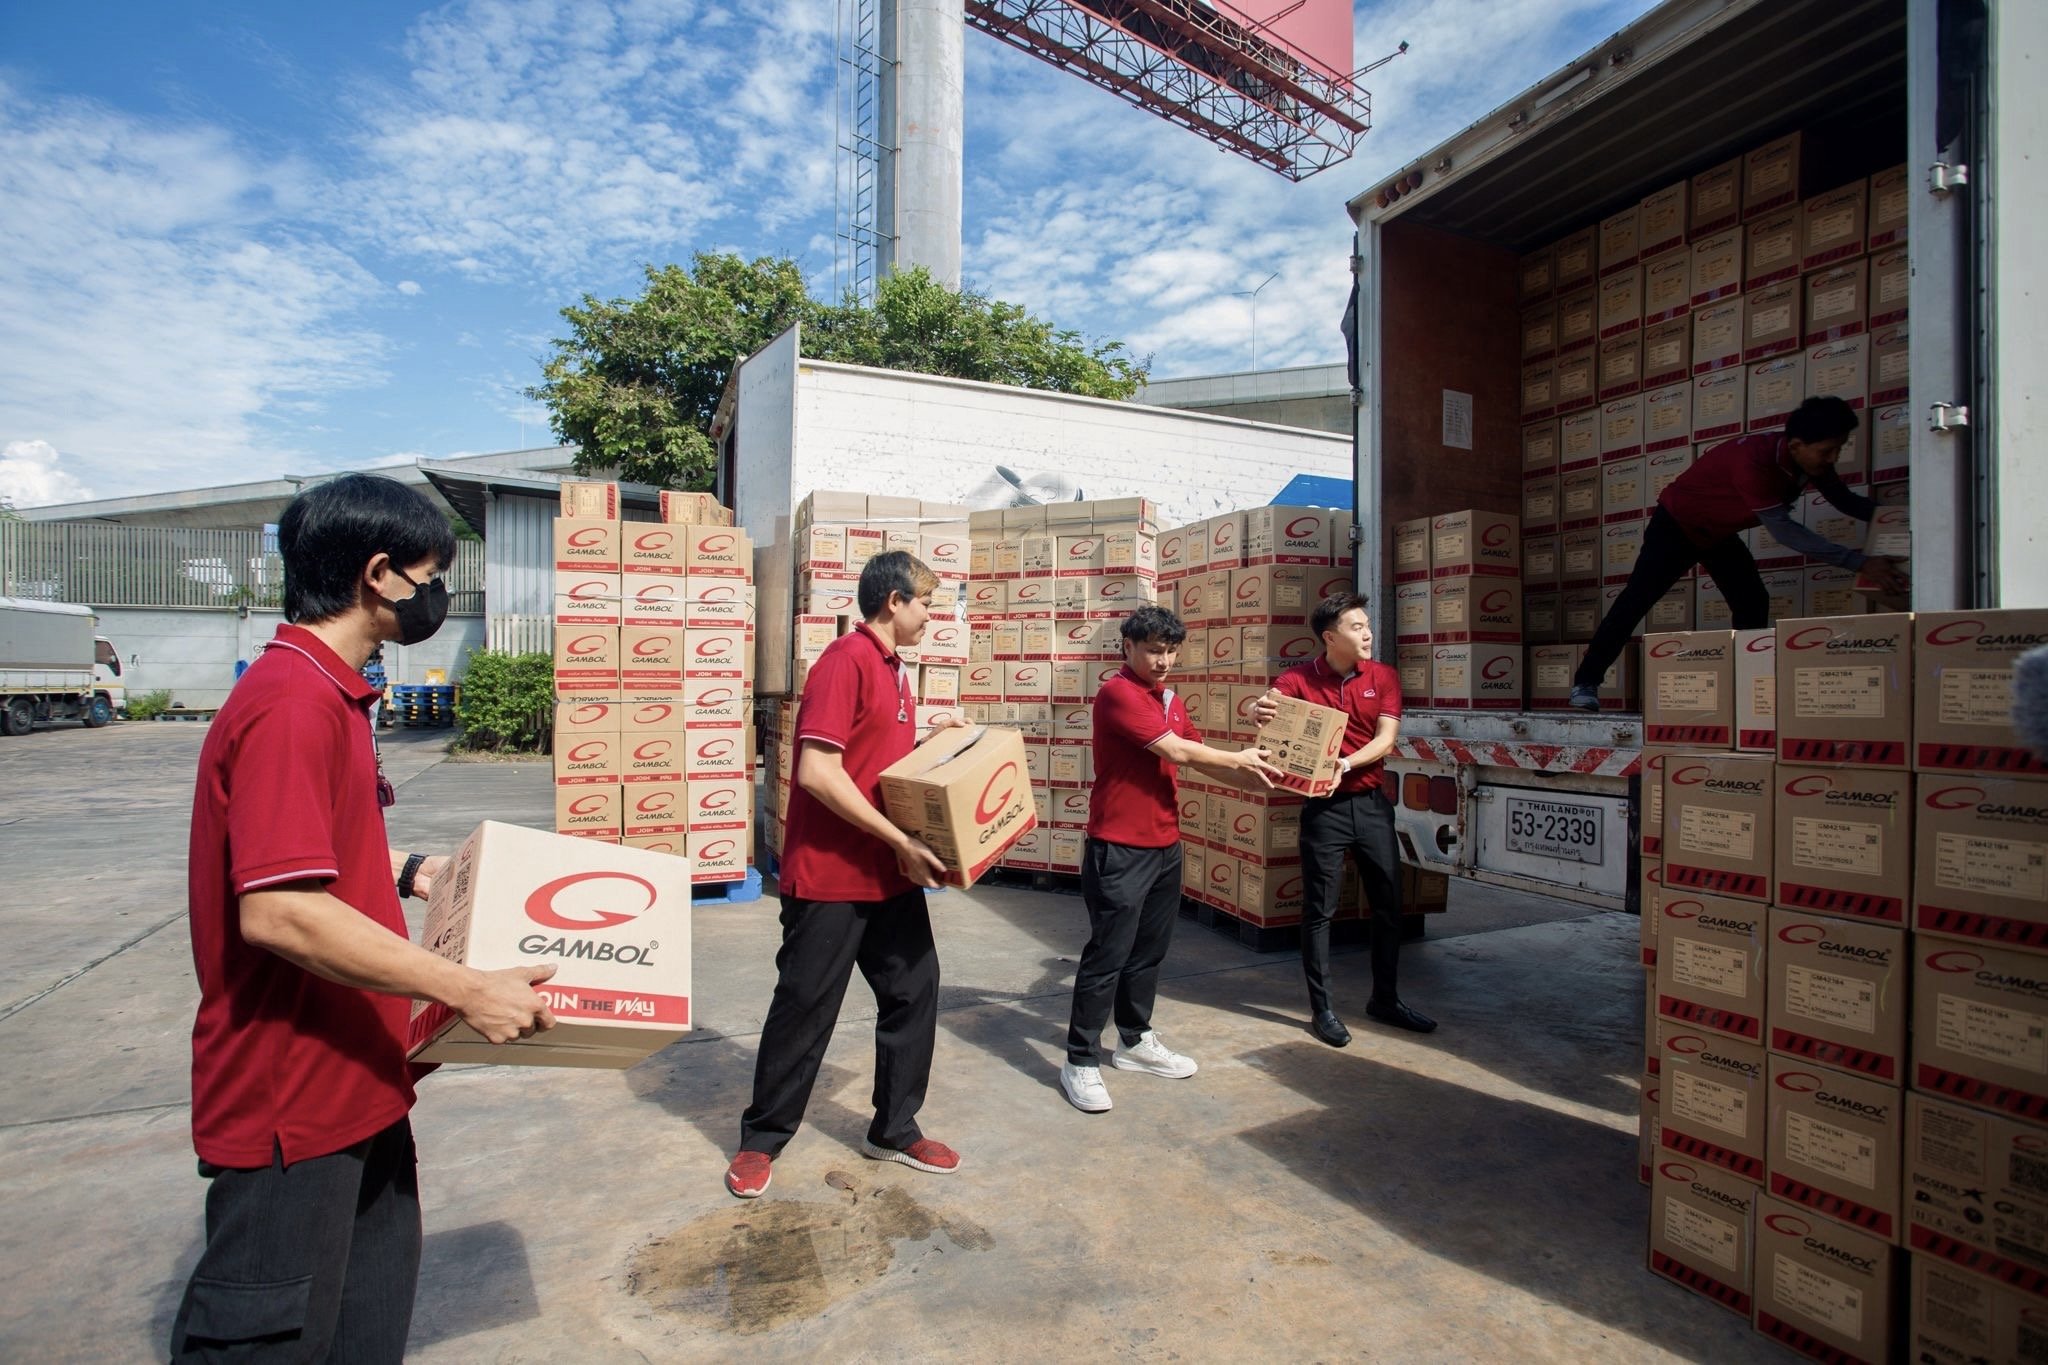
1328	1027
1400	1016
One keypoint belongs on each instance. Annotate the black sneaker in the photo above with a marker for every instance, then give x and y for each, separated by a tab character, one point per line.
1585	698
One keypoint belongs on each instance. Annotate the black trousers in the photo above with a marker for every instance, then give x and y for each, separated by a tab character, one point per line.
822	942
309	1262
1667	553
1133	897
1362	823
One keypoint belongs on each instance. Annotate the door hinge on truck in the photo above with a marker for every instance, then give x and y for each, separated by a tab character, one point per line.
1947	417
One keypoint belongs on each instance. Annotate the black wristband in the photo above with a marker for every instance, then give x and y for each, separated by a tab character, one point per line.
413	862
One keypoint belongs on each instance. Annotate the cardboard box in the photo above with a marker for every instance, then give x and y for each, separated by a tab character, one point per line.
1621	366
1963	664
1578	443
1667	420
965	794
1621	429
1473	607
1836	1144
1667	352
1771	175
1539	389
1412	550
1833	225
586	545
1648	1134
1412	614
589	500
1962	1319
1621	239
1981	862
1475	542
1650	895
1716	268
656	808
1716	198
1844	841
578	718
1838	301
1889	367
1621	302
707	653
590	812
1579	558
711	754
1226	541
1579	611
1720	406
1289	535
1271	592
1822	1288
1776	387
1838	993
1891	284
1711	956
1718	333
655	599
1539	331
1756	690
702	509
1539	451
650	547
1712	1106
1839	369
1831	591
1539	506
1772	318
1576	257
1667	286
1412	662
1620	543
1973	1192
1578	320
1845	690
1623	489
1663	219
1662	466
1538	274
1891	443
1541	563
1689	689
1476	677
1576	386
587	663
1549	670
1304	741
587	599
1269	895
1671	612
1702	1230
1771	251
585	758
652	756
1718	825
615	922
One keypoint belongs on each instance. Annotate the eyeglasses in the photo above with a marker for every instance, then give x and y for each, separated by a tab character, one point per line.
430	584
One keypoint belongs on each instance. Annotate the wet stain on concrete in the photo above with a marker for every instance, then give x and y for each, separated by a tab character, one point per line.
781	1260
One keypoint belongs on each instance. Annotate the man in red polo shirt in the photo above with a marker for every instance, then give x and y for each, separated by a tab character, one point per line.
852	892
1130	870
1355	815
1749	481
300	1085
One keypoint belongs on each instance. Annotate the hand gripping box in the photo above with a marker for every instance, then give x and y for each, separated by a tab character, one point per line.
1710	964
964	792
1838	993
1718	824
1957	1318
1689	688
1702	1226
1844	841
1303	741
1835	1144
1962	690
1712	1108
1826	1290
613	921
1980	1026
1845	690
1976	1192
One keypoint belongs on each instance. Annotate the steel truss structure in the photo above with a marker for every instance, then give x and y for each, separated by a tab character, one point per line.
1188	64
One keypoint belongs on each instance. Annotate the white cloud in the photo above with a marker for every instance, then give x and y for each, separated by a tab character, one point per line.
30	476
410	288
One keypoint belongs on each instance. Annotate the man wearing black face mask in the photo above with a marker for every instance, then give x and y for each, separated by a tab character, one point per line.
300	1086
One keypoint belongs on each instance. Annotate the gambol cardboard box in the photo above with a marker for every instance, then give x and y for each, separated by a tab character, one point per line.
595	811
966	794
1845	690
1303	741
1974	1194
1957	1318
1689	688
1711	964
1712	1108
1826	1290
1756	690
1962	690
586	546
1838	993
1981	859
1718	824
1647	1131
590	500
1980	1026
1844	841
614	922
1702	1224
1836	1143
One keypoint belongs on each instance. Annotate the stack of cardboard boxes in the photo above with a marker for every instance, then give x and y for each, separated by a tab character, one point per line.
1845	910
834	536
653	737
1709	310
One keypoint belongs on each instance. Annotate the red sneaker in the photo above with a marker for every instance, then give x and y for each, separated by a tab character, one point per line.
923	1154
749	1174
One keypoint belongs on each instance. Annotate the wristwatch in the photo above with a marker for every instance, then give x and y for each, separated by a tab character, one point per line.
1343	765
413	863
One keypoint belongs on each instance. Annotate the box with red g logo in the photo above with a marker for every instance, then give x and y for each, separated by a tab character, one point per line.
1836	1143
1980	1027
1713	1101
1711	963
715	753
1845	690
1718	824
966	793
614	921
1838	993
1702	1229
586	545
1832	1290
652	548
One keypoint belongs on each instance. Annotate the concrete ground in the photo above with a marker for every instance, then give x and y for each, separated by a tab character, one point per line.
1465	1196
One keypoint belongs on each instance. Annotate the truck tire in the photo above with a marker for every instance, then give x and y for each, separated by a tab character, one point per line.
19	717
99	711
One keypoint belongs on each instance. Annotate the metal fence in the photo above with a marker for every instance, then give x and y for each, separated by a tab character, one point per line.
521	634
104	565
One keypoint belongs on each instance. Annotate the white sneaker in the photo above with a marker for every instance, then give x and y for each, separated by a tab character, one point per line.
1149	1054
1083	1087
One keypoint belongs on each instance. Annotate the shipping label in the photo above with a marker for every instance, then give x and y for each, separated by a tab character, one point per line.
1996	867
1696	1099
1702	1234
1821	1297
1450	546
1829	303
1763	697
1992	1033
1687	691
1830	998
1838	845
1842	692
1822	1146
1722	833
1710	967
1976	696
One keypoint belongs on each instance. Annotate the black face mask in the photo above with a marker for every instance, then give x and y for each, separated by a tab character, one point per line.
421	614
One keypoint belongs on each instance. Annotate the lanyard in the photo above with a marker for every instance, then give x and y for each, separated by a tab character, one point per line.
902	694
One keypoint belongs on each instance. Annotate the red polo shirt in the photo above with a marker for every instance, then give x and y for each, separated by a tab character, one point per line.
858	700
1136	797
287	792
1369	692
1729	484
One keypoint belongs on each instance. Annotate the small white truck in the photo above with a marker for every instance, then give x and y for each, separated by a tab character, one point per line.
53	667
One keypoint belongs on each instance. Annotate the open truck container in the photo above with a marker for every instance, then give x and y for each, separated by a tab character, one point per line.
1545	799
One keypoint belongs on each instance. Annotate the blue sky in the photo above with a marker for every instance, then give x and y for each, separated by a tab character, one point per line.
251	239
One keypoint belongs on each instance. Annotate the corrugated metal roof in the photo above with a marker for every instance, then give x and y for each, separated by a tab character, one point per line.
1835	69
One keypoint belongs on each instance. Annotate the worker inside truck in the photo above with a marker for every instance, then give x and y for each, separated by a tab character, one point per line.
1699	519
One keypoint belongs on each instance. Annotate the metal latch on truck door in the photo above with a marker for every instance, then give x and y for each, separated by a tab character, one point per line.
1946	417
1946	178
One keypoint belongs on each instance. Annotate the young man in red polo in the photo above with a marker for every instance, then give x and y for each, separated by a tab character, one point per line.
1699	519
300	1085
1354	815
1130	869
852	892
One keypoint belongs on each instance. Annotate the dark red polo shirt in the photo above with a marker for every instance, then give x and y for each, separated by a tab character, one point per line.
858	700
1371	691
287	792
1726	487
1136	797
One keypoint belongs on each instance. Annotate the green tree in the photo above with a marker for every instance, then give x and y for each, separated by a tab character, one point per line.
636	383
